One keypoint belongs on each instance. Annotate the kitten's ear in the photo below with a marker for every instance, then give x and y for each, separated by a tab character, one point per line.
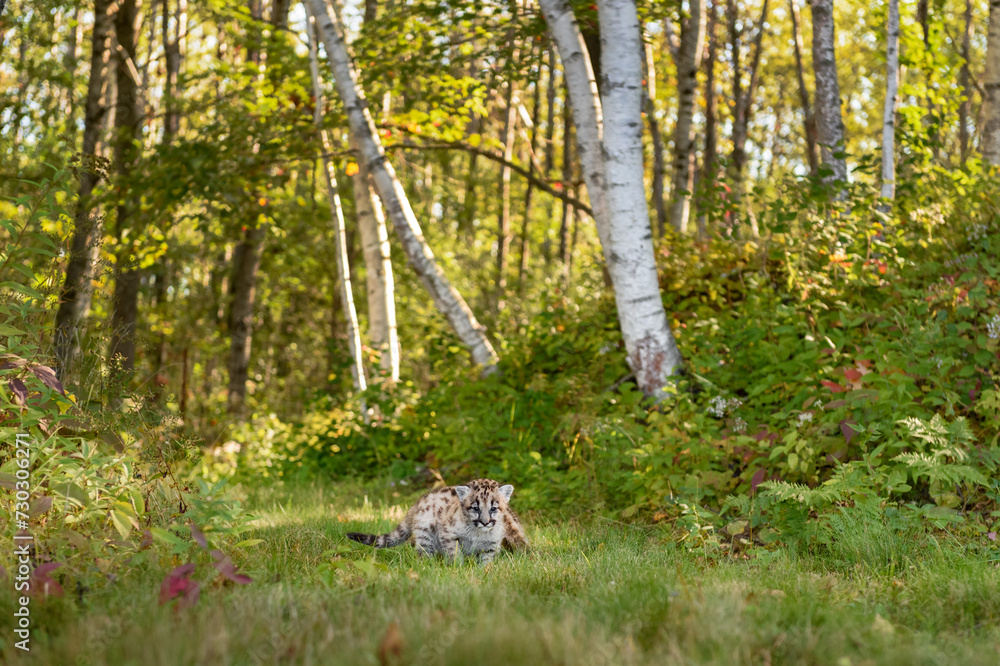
462	491
507	491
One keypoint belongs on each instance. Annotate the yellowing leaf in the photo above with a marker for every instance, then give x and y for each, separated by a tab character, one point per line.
352	168
474	140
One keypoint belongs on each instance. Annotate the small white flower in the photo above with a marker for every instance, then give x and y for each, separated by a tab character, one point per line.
740	425
805	417
938	361
993	328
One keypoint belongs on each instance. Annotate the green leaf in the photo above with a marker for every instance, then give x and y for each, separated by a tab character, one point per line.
121	522
248	543
23	289
10	330
166	536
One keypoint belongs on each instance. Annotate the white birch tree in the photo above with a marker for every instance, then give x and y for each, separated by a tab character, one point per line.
337	220
889	112
378	271
397	207
609	140
829	121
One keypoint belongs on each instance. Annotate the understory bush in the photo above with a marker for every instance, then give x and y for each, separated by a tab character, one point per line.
840	357
90	490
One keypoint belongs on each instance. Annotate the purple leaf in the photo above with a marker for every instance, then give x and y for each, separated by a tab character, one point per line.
198	536
39	506
44	583
19	390
756	480
218	554
147	540
48	377
992	536
44	569
846	427
12	362
228	570
179	584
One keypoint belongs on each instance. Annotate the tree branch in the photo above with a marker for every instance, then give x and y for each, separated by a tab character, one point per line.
499	159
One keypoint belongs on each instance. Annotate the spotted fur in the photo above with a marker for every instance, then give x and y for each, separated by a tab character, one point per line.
470	520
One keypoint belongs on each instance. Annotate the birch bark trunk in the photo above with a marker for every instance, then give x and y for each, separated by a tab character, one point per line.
503	218
829	121
79	267
578	75
889	112
449	302
339	228
807	111
652	352
380	281
965	79
990	142
688	63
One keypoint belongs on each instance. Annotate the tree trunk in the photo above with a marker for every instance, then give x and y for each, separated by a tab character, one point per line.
688	62
550	148
652	352
378	271
657	139
829	121
246	262
990	142
578	75
708	168
449	302
889	112
503	219
965	80
79	267
522	271
743	100
380	282
128	117
174	53
568	186
810	120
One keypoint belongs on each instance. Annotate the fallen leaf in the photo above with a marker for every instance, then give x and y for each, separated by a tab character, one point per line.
391	646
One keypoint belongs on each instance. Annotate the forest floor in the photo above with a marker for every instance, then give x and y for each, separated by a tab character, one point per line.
590	592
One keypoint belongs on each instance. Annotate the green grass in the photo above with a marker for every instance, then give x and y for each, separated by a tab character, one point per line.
590	592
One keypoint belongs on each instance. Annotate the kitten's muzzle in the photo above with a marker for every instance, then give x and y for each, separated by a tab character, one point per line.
484	526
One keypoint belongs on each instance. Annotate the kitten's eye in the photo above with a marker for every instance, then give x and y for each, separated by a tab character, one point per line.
493	510
475	508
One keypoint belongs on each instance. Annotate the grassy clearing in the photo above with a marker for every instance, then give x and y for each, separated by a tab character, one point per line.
591	592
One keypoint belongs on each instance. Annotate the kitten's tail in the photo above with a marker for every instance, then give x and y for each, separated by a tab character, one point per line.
399	535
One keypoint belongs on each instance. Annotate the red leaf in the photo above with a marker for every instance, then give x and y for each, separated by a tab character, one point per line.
44	583
833	386
228	570
19	390
853	375
48	377
178	583
756	480
848	430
